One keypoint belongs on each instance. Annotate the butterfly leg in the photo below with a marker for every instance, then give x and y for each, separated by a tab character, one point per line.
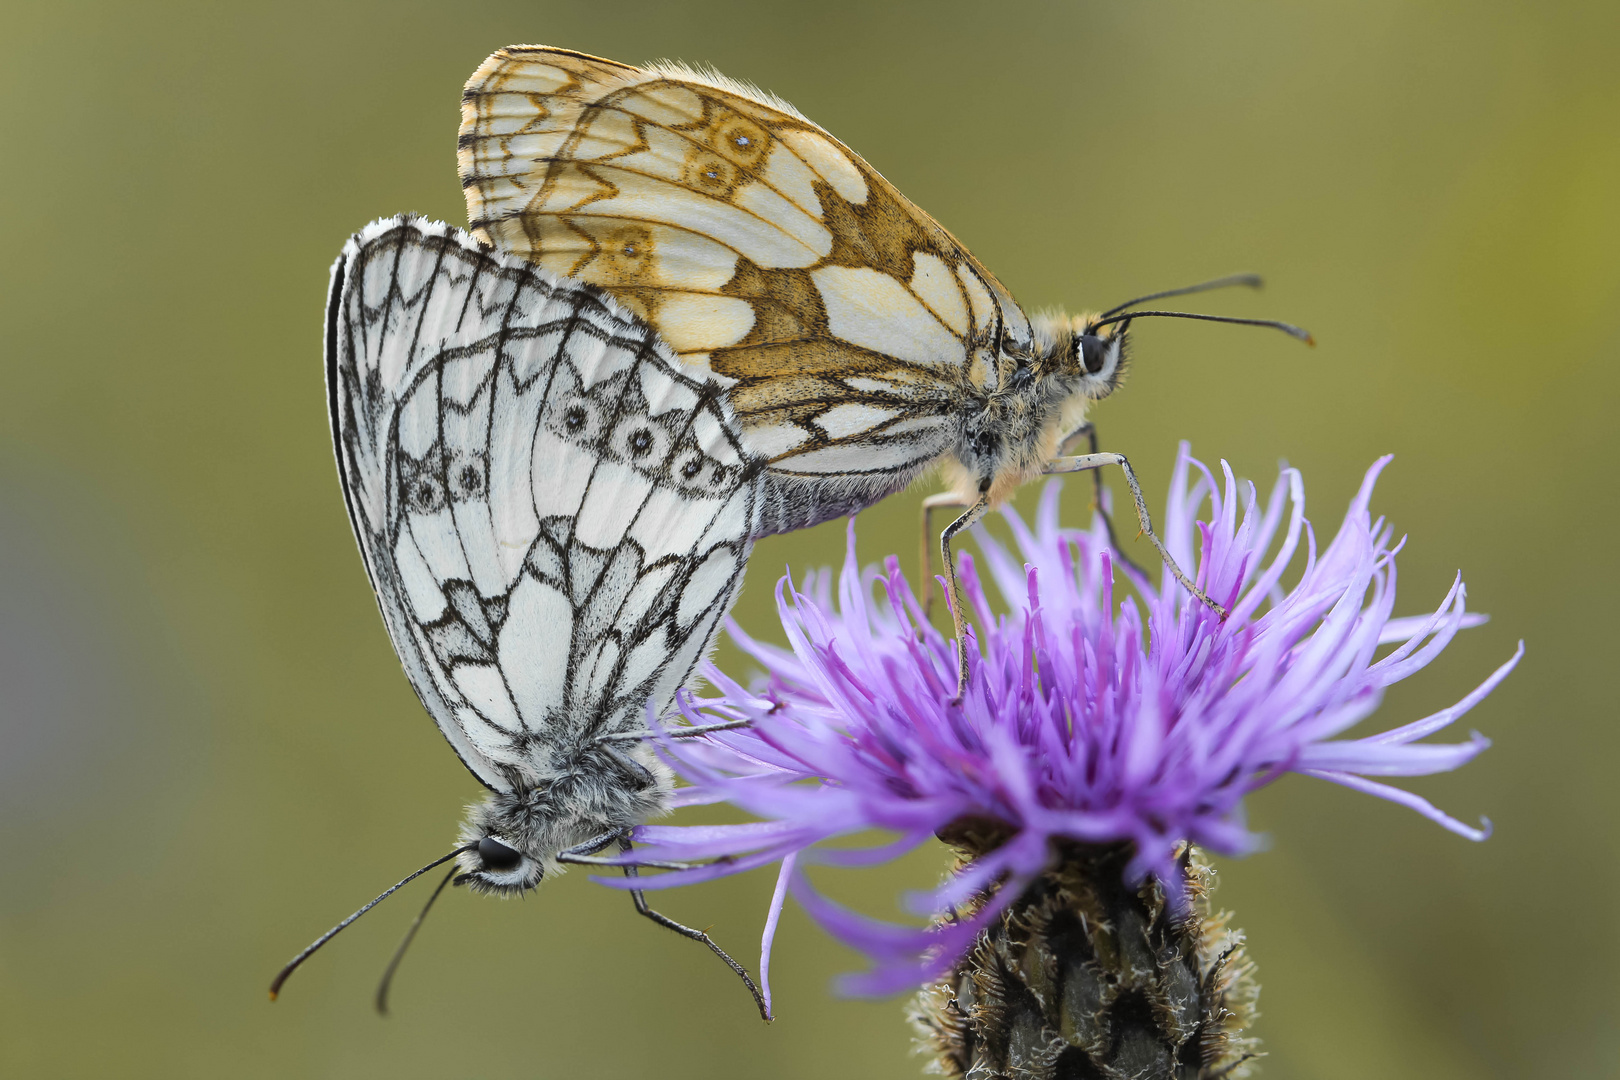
953	587
930	504
1088	430
591	846
677	732
696	935
585	854
633	770
1085	462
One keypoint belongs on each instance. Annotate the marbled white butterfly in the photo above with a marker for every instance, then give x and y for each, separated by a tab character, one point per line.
555	514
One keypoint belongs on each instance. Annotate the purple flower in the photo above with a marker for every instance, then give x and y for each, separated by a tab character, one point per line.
1089	717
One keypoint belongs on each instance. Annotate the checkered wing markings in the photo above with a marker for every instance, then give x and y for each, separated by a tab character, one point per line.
754	241
553	514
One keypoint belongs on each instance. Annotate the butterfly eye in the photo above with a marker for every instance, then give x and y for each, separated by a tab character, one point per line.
1093	352
497	855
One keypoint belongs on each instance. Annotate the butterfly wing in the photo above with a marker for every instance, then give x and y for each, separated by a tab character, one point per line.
850	324
553	513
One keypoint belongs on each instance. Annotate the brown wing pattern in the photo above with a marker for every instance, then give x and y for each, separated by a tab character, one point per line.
761	248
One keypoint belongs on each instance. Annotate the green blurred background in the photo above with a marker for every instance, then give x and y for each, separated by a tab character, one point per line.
209	753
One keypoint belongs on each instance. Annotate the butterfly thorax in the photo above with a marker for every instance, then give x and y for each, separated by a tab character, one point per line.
1009	434
604	789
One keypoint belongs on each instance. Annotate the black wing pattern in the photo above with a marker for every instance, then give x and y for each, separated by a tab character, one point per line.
554	513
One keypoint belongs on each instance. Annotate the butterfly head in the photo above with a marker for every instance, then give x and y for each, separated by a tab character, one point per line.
515	838
493	864
505	845
1089	358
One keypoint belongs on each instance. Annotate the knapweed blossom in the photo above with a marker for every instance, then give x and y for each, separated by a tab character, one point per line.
1091	717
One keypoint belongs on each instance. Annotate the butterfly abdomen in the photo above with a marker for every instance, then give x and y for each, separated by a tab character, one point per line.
797	502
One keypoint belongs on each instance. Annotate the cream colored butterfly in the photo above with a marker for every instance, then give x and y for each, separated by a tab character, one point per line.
859	343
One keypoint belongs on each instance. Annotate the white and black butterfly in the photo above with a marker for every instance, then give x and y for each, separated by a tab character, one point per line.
555	515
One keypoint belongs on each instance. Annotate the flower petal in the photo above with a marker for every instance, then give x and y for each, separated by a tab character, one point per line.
1134	719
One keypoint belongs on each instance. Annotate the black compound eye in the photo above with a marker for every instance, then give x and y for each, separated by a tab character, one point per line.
1093	352
496	855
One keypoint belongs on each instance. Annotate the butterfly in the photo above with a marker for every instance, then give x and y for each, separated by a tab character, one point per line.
555	513
860	345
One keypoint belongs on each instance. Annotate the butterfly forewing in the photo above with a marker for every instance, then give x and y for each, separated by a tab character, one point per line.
847	323
554	513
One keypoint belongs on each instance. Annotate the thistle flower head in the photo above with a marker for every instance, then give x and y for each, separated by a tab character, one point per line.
1090	717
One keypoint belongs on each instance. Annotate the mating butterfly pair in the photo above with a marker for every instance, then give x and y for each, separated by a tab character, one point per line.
685	317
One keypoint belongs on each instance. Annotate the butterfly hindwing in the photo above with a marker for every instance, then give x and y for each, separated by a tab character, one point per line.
847	323
554	514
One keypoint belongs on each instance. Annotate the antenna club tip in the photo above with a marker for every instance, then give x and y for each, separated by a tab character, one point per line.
272	995
1310	340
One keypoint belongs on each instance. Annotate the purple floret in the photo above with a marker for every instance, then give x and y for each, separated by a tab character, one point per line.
1089	717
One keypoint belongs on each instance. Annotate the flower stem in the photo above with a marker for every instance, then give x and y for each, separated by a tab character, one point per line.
1086	976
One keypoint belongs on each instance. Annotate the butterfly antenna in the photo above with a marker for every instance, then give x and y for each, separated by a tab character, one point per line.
1251	281
1288	328
399	953
295	962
